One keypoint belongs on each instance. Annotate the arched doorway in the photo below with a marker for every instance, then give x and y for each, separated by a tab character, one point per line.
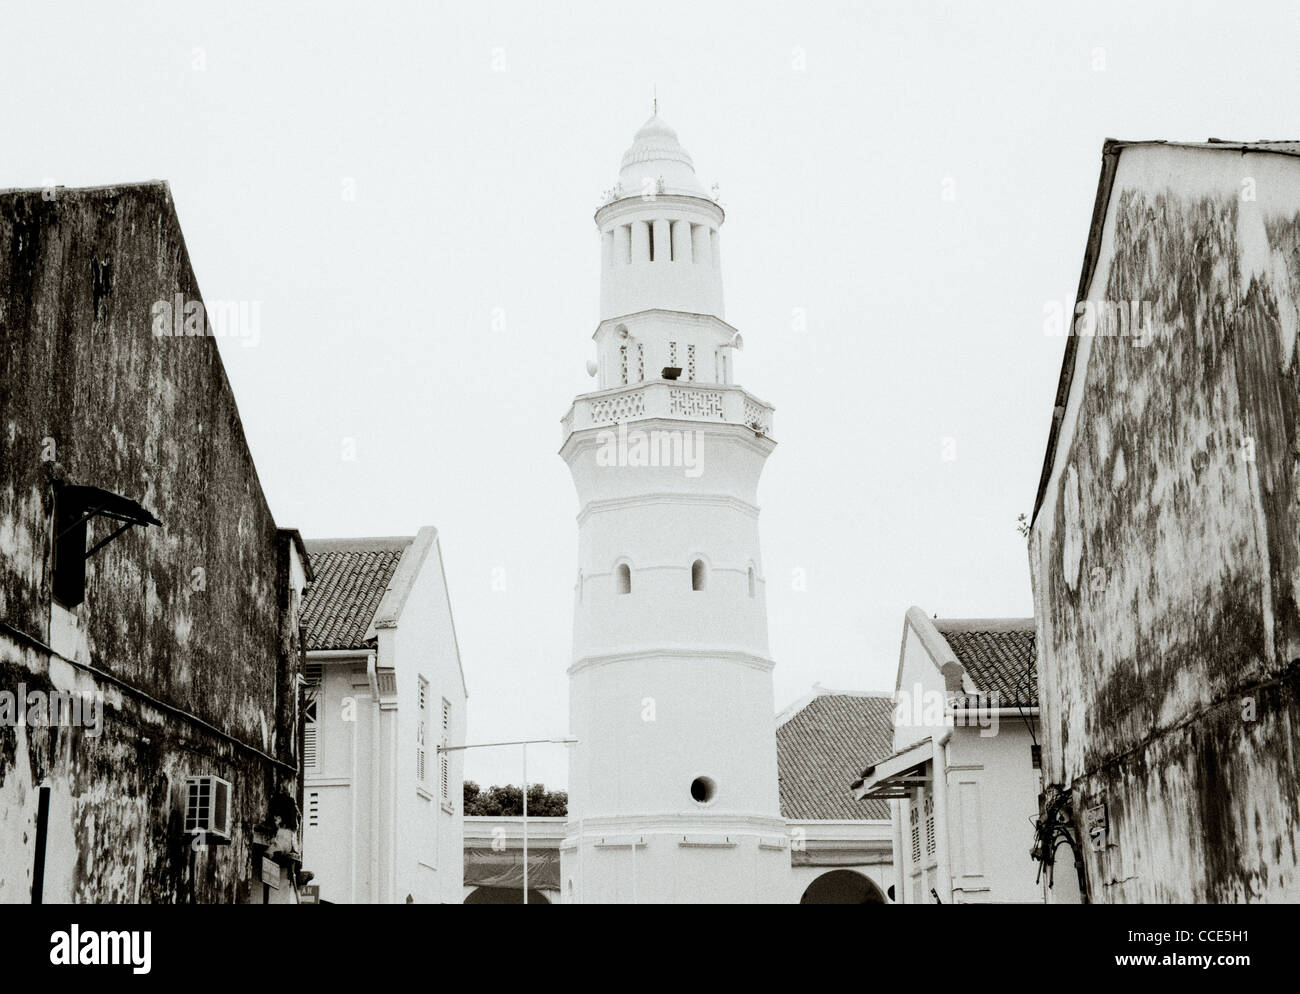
504	895
842	887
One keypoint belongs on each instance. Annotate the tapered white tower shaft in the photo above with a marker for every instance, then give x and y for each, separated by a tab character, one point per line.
673	785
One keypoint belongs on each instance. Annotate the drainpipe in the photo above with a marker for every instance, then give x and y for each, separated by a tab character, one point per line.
42	833
352	812
392	821
300	731
900	856
939	784
372	675
911	868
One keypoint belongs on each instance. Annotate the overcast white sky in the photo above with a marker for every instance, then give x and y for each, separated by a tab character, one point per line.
831	128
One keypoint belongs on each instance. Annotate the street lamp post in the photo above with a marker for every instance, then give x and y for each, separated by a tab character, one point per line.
523	748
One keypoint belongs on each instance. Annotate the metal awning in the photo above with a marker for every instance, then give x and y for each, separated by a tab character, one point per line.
74	508
77	505
898	775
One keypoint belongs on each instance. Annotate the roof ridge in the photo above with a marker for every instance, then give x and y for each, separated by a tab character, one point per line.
378	543
957	625
97	188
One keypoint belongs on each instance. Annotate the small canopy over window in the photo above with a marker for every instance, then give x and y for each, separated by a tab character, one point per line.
897	775
74	507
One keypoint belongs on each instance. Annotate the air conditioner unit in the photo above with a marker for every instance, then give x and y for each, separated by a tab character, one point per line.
207	808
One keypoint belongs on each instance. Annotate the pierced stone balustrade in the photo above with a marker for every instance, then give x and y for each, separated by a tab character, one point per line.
670	399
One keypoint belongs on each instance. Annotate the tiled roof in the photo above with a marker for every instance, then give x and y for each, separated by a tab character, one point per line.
999	655
823	747
352	575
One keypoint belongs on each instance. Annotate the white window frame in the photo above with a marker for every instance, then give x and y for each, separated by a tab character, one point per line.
421	734
311	726
444	761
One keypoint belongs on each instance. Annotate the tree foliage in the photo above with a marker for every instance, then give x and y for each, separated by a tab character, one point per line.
508	801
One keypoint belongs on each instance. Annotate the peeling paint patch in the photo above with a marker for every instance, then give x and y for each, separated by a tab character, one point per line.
1119	474
1072	547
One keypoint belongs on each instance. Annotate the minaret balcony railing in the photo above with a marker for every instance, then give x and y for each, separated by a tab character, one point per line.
670	399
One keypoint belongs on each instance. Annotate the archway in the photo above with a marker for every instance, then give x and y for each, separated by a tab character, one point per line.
504	895
842	887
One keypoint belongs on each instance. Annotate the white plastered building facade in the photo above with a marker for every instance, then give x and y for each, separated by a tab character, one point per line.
382	806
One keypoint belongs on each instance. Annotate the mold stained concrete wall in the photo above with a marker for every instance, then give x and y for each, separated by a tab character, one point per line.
194	621
1164	554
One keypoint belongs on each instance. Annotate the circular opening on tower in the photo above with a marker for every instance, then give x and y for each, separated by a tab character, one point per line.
703	789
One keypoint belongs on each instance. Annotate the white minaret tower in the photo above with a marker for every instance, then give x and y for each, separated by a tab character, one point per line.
673	783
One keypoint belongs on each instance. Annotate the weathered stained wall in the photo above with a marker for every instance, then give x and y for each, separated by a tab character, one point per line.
1164	552
194	615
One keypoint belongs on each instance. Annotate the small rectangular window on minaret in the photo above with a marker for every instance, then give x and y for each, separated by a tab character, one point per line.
690	362
622	361
672	354
640	363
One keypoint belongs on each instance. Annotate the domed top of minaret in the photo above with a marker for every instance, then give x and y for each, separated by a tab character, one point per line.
655	156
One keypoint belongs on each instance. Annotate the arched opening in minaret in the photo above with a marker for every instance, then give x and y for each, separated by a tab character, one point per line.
699	575
753	586
623	578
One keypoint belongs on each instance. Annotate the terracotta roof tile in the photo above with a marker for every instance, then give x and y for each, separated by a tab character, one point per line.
352	576
822	748
1000	657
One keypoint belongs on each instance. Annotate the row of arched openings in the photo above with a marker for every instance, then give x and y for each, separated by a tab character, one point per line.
699	578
